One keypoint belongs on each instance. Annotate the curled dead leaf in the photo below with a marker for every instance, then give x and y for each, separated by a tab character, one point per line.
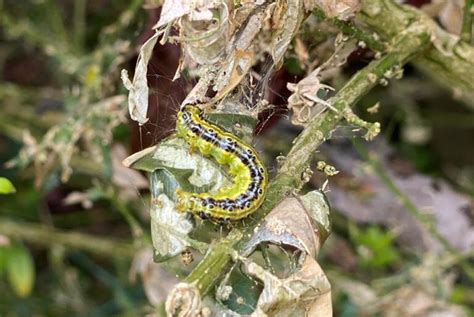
174	9
302	223
304	293
138	88
341	9
184	300
304	100
299	222
287	19
205	36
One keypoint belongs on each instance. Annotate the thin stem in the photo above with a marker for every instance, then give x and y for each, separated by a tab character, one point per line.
353	31
79	24
47	236
205	273
466	31
451	68
388	19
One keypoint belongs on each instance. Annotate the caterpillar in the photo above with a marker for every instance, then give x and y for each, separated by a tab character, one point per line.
249	176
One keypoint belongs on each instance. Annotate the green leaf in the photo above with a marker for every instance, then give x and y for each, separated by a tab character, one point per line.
20	270
6	187
378	246
239	124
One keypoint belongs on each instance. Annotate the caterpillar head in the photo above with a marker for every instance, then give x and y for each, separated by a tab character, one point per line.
183	201
191	110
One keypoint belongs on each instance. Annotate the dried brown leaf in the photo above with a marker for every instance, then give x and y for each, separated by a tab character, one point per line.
341	9
304	292
184	300
304	100
138	88
290	15
302	223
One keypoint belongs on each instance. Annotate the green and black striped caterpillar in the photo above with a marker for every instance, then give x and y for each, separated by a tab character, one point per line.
249	176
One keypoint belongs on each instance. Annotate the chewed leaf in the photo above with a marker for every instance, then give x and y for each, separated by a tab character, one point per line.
206	175
169	229
191	170
239	294
287	224
239	124
142	161
301	223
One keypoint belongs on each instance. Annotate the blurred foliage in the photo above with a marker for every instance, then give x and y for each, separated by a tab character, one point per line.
19	268
375	247
59	62
63	107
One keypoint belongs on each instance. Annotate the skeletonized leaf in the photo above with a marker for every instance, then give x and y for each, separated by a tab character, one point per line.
138	89
169	228
302	223
171	166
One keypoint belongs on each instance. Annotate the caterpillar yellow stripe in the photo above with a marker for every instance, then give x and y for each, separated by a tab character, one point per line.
249	176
